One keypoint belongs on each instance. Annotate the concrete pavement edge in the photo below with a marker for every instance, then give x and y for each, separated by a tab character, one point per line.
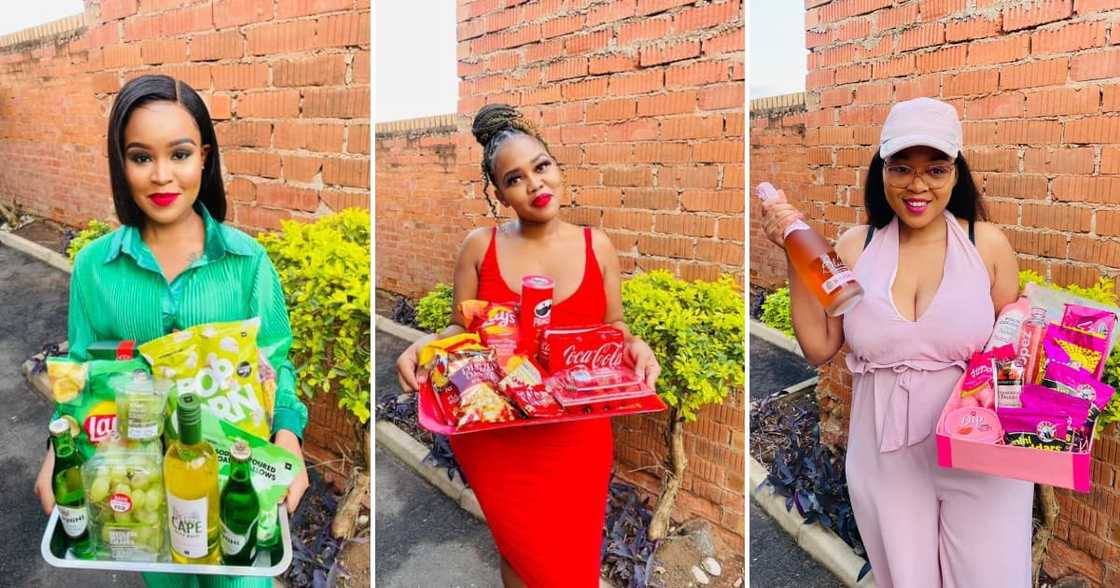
820	543
51	258
774	337
396	329
412	452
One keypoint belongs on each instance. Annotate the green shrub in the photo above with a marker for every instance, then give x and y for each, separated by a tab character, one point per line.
433	312
93	230
775	311
1103	292
324	269
696	331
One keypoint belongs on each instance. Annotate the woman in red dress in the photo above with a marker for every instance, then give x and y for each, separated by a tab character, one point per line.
543	489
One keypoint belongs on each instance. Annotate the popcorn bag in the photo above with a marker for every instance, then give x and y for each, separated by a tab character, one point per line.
220	363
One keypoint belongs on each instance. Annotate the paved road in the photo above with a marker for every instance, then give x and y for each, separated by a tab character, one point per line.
776	560
422	537
425	539
773	368
33	301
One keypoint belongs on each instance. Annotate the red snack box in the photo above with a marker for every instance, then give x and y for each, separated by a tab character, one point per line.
596	346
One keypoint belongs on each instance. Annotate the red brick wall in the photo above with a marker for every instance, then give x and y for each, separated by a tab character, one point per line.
1037	85
422	215
778	156
642	103
287	83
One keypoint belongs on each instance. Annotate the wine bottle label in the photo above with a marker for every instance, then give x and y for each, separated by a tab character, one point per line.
797	225
73	520
188	525
233	542
830	285
838	272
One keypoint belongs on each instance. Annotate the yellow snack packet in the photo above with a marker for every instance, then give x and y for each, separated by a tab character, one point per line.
220	363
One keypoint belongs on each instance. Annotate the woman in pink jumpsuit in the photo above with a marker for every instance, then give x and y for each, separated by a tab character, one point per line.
933	279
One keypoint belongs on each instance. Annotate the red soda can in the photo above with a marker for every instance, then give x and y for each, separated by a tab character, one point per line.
536	312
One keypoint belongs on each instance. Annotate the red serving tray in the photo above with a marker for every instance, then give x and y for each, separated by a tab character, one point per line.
431	417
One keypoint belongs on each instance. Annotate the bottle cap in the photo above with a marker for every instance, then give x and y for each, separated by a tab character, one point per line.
766	192
190	418
240	450
58	427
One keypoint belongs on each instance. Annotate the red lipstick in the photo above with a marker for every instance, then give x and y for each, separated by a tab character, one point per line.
542	200
163	198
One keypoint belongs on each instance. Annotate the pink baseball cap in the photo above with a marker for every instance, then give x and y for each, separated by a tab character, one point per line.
921	121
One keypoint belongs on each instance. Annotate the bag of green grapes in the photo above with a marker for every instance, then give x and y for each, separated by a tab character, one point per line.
125	497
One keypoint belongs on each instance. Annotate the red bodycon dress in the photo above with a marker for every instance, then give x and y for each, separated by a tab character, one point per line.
543	488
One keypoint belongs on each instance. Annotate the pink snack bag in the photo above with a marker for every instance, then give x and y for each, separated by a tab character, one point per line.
1091	320
1061	406
1071	346
1023	427
978	387
1081	384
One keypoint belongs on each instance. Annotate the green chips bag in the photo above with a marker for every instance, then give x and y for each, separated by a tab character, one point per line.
219	363
86	393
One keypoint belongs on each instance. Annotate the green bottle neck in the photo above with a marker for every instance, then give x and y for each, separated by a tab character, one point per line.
63	446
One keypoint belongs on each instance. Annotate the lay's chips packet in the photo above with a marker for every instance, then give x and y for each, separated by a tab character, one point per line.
220	363
86	394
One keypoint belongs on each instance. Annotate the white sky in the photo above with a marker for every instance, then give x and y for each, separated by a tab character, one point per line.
777	48
415	69
16	16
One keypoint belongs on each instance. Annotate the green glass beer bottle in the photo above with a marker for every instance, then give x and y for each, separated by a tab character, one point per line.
240	509
69	496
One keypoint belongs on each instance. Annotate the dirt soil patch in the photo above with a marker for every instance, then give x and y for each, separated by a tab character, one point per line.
47	233
777	421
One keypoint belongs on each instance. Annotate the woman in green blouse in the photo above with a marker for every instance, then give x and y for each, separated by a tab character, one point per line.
173	264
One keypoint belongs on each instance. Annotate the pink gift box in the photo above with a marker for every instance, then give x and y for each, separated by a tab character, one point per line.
1063	469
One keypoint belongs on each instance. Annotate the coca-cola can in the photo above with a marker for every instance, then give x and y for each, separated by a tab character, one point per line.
536	312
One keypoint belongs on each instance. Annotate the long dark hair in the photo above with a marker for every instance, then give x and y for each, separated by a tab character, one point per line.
964	202
154	88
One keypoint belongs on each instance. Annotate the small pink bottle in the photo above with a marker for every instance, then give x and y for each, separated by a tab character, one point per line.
1029	341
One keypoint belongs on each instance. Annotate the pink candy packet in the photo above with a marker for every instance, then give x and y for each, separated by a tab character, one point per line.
1062	344
1091	320
978	387
1081	384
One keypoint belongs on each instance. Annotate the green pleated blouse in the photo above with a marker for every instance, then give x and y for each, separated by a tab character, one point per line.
118	292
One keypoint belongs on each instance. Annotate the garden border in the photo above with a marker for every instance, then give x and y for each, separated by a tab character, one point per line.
774	337
412	452
820	543
47	256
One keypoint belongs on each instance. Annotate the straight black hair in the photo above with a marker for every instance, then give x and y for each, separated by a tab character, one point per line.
154	88
964	202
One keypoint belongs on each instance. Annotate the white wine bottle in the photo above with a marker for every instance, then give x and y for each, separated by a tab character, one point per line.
190	474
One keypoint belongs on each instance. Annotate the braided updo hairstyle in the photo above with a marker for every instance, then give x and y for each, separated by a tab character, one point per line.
493	125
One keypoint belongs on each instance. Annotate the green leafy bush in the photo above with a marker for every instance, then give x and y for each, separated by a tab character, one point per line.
433	312
775	311
324	269
696	331
93	230
1104	292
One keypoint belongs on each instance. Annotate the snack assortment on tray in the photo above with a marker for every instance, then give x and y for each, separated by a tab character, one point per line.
512	366
1036	385
119	428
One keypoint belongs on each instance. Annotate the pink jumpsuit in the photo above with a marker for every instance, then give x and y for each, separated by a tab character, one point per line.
925	526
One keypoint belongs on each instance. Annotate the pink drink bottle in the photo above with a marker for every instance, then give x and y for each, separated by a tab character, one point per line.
817	265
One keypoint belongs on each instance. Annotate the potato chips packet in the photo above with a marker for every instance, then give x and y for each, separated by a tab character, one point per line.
220	362
92	410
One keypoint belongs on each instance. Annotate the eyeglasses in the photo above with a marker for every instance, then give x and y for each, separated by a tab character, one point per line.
935	176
